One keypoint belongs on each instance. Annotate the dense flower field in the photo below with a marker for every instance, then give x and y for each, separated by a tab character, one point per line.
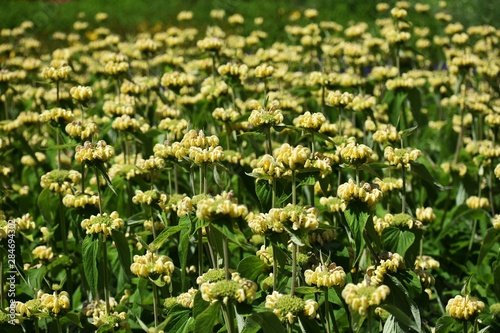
339	179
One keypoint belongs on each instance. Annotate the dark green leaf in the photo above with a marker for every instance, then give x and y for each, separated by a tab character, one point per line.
304	290
357	216
445	324
183	247
47	202
400	316
264	192
496	279
251	267
205	322
422	171
123	250
491	238
267	321
164	235
90	249
397	240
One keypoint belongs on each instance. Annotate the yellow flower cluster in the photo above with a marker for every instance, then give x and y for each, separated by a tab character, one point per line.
389	263
326	276
475	202
310	121
43	252
349	192
97	310
387	133
388	184
292	158
225	115
362	296
81	93
356	154
495	220
81	131
223	205
399	157
80	200
56	74
333	204
60	181
236	289
57	115
425	215
400	220
233	70
187	299
176	80
288	307
102	223
153	266
266	118
55	304
426	262
464	308
300	217
88	153
211	44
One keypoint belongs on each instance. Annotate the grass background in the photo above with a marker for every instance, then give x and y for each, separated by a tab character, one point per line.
130	16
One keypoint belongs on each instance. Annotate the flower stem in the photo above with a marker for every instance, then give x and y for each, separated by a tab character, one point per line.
228	314
105	273
225	249
294	246
403	192
327	310
155	304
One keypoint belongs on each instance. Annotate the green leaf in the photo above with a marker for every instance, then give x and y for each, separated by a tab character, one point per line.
47	203
164	235
445	324
267	321
304	290
99	169
123	250
60	147
490	239
90	249
392	326
183	247
251	267
264	192
357	216
401	299
205	322
159	281
408	131
496	279
422	171
466	290
397	240
73	318
400	316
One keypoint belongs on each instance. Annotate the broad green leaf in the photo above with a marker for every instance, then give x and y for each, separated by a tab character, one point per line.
466	290
392	326
47	203
183	247
205	322
178	320
401	299
446	324
402	318
397	240
90	249
159	281
164	235
73	318
264	192
422	171
105	328
251	267
123	250
267	321
491	238
357	216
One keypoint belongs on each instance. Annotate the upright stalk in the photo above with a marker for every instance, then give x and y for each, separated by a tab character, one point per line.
294	246
403	192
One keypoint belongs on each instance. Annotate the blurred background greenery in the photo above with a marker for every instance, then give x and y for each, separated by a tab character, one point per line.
130	16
